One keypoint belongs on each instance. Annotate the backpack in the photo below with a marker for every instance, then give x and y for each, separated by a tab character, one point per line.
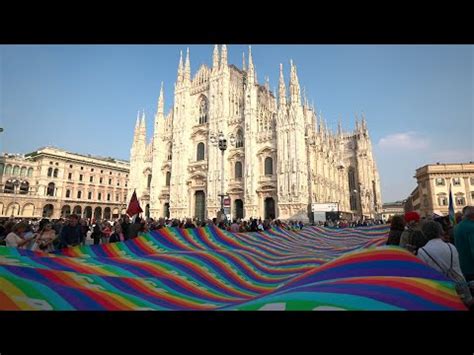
462	287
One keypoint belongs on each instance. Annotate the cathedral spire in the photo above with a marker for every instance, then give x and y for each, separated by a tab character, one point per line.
357	123
142	133
137	124
252	75
364	122
187	68
160	110
243	62
215	58
224	57
321	127
267	83
282	88
294	86
327	129
339	127
180	67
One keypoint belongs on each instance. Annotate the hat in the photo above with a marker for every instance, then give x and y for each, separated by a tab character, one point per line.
412	216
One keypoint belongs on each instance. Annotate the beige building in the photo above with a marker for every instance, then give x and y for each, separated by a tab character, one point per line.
281	155
53	183
434	180
412	203
391	209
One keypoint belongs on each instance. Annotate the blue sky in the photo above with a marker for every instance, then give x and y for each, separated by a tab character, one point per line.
418	100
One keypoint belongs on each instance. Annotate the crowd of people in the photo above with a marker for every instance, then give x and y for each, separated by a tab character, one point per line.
49	235
445	247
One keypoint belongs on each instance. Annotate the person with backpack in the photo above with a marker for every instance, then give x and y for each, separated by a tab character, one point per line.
443	256
412	237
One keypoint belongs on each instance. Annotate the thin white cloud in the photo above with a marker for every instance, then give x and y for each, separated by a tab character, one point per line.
404	141
453	156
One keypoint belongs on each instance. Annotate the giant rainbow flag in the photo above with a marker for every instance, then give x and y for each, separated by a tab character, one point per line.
211	269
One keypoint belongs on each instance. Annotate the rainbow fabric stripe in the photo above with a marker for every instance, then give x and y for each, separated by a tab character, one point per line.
211	269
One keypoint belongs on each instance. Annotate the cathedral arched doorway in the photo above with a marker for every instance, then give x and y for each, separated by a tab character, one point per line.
199	205
147	211
269	208
238	209
166	210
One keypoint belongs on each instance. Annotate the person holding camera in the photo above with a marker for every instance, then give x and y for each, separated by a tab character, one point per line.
45	236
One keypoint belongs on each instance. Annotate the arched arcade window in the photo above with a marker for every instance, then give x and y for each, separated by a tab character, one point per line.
9	188
50	190
24	187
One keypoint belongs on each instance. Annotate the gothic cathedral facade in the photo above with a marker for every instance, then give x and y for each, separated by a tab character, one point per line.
282	157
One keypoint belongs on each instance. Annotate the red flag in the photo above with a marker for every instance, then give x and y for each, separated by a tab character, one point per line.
134	206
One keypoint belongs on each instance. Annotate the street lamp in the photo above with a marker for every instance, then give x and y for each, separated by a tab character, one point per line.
221	141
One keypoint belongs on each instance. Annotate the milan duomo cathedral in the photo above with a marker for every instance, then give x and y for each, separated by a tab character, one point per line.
280	159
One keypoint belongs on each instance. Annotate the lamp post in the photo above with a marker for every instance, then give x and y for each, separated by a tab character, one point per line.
221	141
357	192
361	192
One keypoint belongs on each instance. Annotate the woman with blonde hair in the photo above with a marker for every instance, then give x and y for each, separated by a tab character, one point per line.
45	236
15	238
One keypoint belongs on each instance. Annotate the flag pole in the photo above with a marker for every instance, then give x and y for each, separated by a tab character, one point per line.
452	216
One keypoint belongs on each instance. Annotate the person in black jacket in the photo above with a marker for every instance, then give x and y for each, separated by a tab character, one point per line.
125	224
96	233
71	233
189	224
397	227
117	235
